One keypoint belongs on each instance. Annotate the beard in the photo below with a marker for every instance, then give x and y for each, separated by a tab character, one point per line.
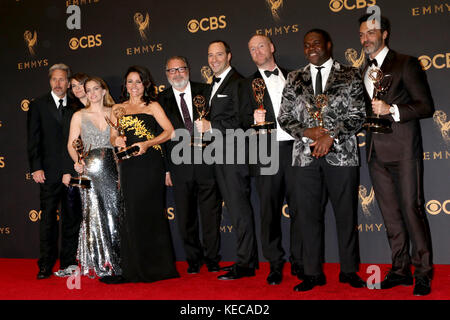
179	84
375	45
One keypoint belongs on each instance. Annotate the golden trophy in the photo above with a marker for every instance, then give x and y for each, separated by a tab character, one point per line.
258	87
199	102
80	181
381	84
127	152
321	101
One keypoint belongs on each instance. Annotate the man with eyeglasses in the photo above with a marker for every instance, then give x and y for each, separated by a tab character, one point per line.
194	185
233	178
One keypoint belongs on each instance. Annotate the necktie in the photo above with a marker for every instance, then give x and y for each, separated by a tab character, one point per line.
60	108
215	79
269	73
372	62
319	81
186	116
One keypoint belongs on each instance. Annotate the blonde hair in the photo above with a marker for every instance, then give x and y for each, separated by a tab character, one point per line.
108	101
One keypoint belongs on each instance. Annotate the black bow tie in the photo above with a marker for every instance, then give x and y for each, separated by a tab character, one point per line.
215	79
269	73
372	61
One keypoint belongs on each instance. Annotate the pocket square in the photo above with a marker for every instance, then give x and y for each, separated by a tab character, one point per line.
222	95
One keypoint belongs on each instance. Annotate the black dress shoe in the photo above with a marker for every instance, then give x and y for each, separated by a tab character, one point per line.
297	270
275	277
194	268
310	282
392	280
352	279
213	267
44	273
237	273
422	286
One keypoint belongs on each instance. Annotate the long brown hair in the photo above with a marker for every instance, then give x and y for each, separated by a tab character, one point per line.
108	101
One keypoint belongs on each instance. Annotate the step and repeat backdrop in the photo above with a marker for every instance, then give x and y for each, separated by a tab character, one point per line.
103	38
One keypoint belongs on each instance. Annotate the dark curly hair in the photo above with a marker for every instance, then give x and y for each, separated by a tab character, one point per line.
150	89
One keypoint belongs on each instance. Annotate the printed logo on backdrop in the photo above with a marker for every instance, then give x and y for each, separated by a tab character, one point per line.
443	127
142	25
89	41
366	200
275	6
207	74
25	105
338	5
207	24
440	120
430	9
35	216
351	55
435	207
80	2
438	61
31	39
5	230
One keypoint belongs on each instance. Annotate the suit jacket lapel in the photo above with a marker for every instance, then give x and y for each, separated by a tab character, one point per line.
174	107
307	84
52	108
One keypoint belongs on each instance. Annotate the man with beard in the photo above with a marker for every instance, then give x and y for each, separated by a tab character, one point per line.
194	185
395	159
48	126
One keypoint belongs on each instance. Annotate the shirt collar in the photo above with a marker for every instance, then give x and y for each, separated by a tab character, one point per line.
381	56
327	65
224	74
56	98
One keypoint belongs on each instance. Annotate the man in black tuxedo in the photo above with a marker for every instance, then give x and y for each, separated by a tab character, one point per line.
395	159
325	154
233	178
48	125
194	185
273	188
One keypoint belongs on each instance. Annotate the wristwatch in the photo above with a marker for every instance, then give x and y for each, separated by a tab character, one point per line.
391	109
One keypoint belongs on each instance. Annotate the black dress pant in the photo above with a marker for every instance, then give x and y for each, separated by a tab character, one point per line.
234	184
272	190
198	192
399	192
341	184
52	197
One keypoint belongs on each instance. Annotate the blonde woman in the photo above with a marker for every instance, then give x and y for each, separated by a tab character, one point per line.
99	244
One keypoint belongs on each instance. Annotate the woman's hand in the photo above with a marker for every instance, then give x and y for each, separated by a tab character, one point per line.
143	146
79	167
120	142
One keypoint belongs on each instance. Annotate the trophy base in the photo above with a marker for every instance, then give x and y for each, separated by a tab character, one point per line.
80	182
263	127
378	125
127	153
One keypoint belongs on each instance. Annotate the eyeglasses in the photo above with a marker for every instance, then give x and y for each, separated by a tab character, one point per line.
174	70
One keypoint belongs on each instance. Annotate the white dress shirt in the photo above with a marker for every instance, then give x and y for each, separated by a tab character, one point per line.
369	84
325	72
56	98
216	85
275	85
187	97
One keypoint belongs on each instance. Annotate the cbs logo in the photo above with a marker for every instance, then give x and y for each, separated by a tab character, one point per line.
36	215
427	62
434	207
25	105
205	24
337	5
85	42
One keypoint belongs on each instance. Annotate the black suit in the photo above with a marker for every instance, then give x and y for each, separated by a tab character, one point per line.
272	189
234	179
194	185
47	150
396	168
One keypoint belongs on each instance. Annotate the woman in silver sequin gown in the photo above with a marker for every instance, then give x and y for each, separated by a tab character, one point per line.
98	245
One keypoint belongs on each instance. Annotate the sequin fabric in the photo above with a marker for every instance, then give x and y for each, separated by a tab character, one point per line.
102	206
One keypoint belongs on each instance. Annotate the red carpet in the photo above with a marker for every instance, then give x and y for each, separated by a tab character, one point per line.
18	282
